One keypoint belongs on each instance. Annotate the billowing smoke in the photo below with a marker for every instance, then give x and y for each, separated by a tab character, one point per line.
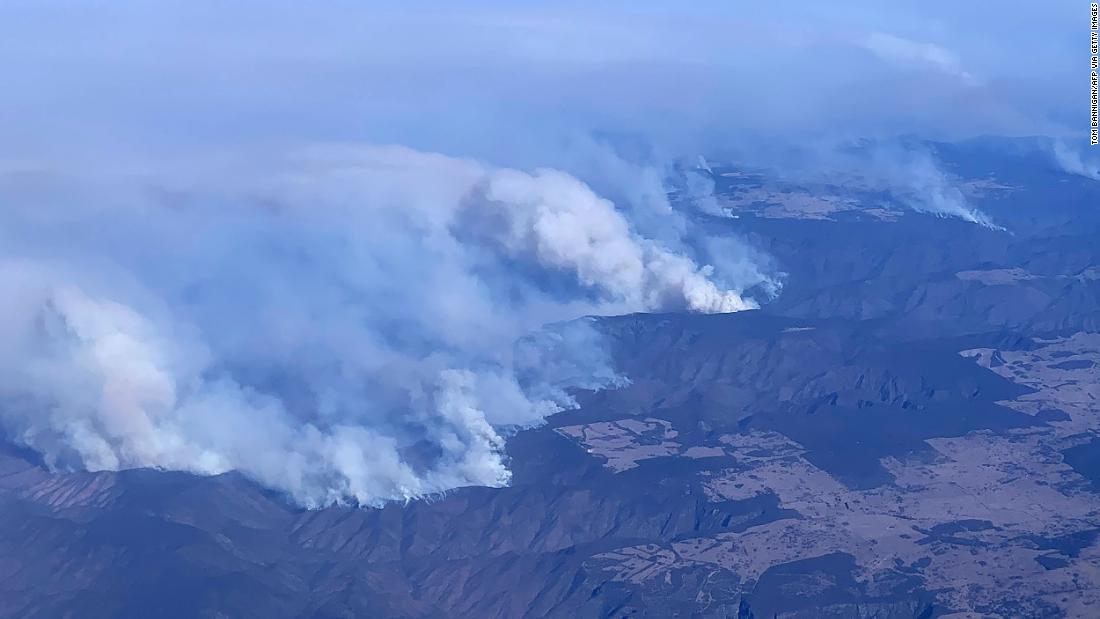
340	325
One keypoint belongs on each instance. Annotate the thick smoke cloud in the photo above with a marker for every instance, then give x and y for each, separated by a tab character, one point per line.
341	326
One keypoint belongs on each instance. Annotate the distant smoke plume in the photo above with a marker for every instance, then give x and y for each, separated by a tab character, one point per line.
1071	161
339	326
915	178
905	171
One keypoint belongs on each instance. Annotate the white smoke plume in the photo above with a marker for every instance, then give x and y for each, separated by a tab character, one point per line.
339	325
915	178
905	171
1071	160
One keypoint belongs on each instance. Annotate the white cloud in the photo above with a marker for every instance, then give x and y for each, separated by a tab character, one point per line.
916	53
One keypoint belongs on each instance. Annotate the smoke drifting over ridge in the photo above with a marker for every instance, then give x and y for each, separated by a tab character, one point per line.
341	327
904	171
1071	159
915	178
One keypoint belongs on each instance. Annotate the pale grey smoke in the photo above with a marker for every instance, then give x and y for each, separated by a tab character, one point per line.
905	171
901	50
338	325
1071	161
915	178
564	355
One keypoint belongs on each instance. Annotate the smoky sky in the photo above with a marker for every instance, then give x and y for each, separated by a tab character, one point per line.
506	80
346	248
